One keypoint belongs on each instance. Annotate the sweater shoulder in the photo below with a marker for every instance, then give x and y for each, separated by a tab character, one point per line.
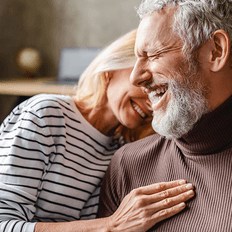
49	108
40	111
48	101
143	149
145	145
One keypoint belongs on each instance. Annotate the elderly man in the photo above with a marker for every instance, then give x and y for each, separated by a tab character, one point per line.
184	64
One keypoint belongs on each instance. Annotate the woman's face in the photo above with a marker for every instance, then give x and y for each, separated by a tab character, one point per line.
128	104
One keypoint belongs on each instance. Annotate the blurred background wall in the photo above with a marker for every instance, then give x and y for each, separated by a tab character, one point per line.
49	25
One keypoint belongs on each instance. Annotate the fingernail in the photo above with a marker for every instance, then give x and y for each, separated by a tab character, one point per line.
182	181
189	186
190	193
182	204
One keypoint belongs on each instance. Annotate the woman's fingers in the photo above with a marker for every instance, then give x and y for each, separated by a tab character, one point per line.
166	199
172	201
168	203
172	192
160	192
167	213
165	204
158	187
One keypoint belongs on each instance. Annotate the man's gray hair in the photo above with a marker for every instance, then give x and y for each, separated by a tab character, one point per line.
195	20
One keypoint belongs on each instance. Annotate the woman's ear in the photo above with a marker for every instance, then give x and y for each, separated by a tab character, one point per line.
220	50
110	74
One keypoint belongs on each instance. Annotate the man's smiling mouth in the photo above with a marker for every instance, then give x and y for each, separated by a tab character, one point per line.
156	95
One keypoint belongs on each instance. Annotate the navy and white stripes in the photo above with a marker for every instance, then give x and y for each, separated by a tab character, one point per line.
51	164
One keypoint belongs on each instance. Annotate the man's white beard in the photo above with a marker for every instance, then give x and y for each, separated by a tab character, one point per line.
186	107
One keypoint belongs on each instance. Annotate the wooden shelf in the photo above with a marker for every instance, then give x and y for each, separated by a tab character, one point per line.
23	86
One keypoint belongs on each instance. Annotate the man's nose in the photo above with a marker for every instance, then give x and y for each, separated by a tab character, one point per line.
140	74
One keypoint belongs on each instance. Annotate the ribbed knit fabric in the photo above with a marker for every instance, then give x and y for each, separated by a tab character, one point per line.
203	157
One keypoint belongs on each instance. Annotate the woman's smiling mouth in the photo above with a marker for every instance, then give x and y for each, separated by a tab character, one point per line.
138	110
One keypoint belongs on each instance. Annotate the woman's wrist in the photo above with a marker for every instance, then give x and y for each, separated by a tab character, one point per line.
109	225
98	225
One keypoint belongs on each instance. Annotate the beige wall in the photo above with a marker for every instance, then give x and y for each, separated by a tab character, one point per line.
49	25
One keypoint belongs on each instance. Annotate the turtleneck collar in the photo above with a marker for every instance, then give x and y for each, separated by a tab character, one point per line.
211	134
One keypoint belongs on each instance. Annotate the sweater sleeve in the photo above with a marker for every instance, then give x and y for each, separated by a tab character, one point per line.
25	148
110	196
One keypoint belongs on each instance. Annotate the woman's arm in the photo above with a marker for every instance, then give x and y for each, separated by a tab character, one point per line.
23	161
140	210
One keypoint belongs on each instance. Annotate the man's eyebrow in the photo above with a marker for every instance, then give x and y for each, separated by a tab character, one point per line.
151	50
154	51
140	53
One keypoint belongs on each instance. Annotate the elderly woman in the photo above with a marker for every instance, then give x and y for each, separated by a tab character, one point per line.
55	149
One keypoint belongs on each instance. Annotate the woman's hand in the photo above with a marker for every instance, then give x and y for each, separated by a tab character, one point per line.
143	207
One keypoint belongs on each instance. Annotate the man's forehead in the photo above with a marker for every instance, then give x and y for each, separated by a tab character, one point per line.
156	30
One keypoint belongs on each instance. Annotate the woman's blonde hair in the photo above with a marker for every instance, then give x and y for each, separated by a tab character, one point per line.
93	82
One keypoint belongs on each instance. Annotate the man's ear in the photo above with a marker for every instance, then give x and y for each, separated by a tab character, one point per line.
220	51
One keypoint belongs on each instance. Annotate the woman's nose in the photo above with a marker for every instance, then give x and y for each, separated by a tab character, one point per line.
140	74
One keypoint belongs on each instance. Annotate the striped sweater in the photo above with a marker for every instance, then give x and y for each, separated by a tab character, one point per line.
52	162
203	157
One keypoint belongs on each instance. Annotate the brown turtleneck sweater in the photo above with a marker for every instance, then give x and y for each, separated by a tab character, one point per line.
203	157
